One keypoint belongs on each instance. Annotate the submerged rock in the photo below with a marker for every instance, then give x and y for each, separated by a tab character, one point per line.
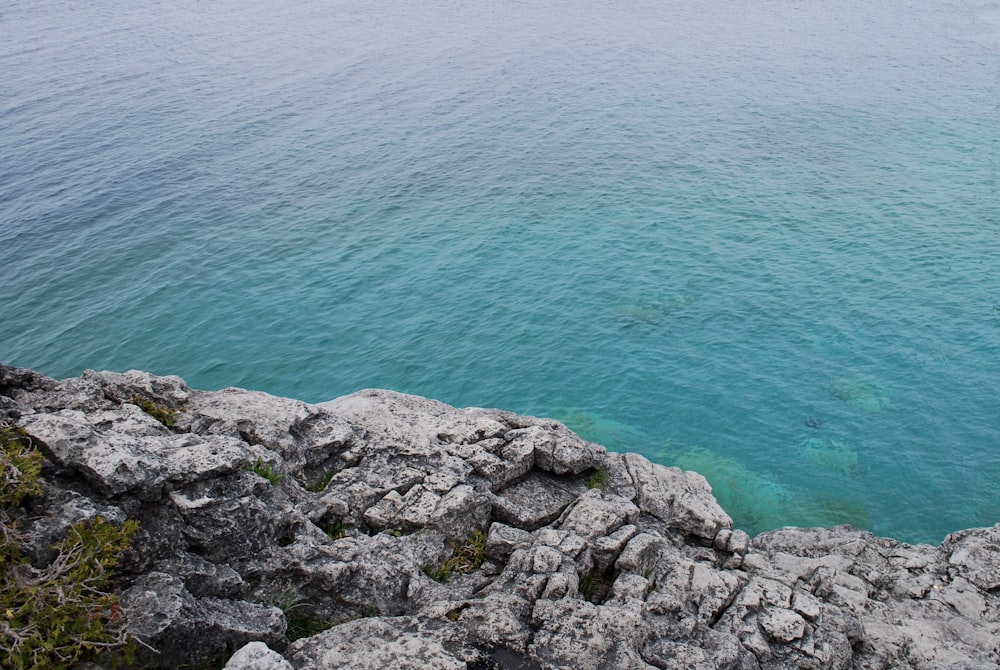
382	530
861	392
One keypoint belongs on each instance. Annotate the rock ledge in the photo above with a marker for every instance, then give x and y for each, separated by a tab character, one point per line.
283	535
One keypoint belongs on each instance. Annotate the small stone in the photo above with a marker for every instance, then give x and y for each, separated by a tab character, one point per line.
641	552
630	587
734	562
559	585
440	482
257	656
721	541
781	624
502	540
546	560
738	542
596	514
806	604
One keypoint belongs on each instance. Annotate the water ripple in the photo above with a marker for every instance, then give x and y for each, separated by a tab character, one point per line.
753	239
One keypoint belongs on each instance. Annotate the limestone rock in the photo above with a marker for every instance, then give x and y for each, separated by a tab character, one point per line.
166	617
975	555
782	625
376	644
574	633
422	535
596	514
682	500
503	540
257	656
535	501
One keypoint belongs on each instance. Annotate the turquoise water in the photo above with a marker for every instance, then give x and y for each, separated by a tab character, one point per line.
756	239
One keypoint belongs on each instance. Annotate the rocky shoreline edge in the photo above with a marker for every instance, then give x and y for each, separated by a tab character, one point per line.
381	530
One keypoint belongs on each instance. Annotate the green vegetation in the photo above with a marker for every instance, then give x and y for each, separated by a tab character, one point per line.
336	530
598	479
466	556
302	621
59	615
299	621
595	586
437	573
20	466
162	413
304	624
262	469
319	485
455	614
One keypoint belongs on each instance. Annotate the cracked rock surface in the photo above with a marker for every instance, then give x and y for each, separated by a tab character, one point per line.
280	534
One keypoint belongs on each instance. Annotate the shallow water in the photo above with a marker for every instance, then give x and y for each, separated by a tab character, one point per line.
756	239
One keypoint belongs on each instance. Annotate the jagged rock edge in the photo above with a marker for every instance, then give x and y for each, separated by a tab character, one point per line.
197	585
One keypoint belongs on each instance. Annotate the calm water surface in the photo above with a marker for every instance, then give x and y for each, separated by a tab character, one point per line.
755	239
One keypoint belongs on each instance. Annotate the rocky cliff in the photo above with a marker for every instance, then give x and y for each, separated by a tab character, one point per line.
381	530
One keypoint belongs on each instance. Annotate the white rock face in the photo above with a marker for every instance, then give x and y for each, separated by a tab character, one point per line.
381	530
257	656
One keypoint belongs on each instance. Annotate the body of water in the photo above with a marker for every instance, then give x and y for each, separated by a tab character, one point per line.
760	240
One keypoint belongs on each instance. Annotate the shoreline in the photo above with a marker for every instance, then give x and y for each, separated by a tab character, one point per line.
382	530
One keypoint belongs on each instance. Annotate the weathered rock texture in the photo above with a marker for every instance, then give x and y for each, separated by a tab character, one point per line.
378	487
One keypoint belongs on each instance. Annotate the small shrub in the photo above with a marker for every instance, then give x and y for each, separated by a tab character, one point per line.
598	479
20	466
58	615
466	557
162	413
262	469
595	586
319	485
300	622
302	625
336	530
437	573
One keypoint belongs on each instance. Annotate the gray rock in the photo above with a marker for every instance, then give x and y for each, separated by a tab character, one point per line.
557	450
576	634
606	550
598	514
645	572
782	625
502	540
535	501
257	656
975	555
682	500
134	460
308	438
166	617
376	644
